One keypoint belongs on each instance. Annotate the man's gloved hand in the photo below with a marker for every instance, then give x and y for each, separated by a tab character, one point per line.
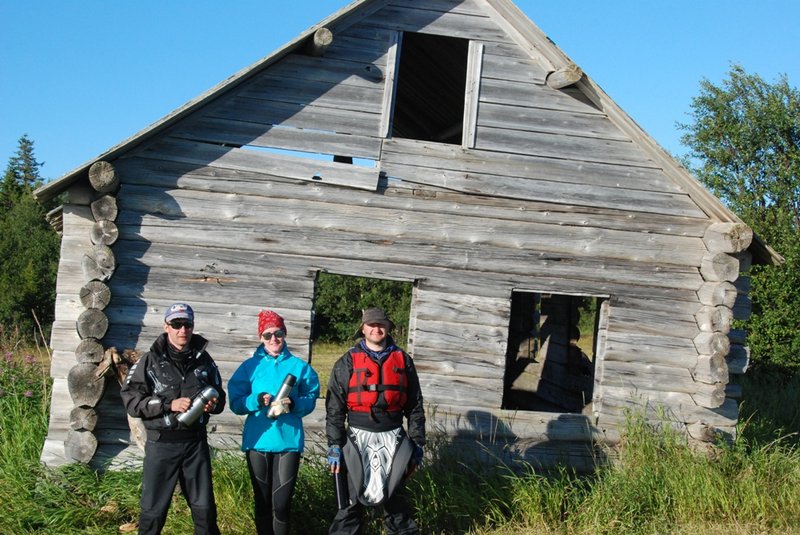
334	458
417	455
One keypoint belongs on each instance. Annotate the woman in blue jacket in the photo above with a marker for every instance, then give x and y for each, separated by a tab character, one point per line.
275	390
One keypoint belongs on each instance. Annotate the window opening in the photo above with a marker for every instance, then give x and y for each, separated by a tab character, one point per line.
430	88
550	361
338	302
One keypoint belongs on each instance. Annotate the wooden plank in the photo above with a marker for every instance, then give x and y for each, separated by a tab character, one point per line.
238	133
569	147
557	192
452	24
543	120
365	74
389	86
275	88
474	69
448	157
325	118
531	94
514	69
164	174
288	166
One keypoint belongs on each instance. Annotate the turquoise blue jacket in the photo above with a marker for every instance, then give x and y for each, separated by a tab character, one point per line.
265	373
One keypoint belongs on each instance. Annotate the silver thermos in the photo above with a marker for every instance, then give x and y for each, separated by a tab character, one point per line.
277	407
198	404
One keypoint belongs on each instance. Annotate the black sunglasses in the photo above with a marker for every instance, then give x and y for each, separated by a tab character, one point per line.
177	324
277	334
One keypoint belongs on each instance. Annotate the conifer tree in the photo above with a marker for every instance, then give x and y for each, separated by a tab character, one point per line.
29	248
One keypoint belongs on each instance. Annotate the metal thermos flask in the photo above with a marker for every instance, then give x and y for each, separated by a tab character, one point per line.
277	408
198	404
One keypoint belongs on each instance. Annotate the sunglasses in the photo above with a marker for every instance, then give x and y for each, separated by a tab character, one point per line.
179	324
277	334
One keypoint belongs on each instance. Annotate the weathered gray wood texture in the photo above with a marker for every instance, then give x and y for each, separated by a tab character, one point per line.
554	196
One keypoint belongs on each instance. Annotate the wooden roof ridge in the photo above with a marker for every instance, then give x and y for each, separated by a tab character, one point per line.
524	32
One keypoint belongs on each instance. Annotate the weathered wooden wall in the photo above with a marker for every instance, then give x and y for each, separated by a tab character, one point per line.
553	197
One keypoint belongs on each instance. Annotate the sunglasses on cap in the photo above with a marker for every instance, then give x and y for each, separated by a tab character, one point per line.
178	324
277	334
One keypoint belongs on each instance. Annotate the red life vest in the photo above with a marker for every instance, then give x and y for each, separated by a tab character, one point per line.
369	380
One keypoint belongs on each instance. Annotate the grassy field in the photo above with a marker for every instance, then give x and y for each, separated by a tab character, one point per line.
661	486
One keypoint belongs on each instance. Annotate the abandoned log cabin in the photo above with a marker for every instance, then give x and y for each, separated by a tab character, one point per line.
564	268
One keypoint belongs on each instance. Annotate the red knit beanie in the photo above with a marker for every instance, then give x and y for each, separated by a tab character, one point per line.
267	319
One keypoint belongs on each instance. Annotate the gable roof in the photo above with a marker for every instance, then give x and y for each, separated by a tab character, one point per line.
524	32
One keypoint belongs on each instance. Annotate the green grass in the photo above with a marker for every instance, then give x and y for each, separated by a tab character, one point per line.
661	486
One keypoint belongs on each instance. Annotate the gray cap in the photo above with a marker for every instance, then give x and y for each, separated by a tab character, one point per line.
374	315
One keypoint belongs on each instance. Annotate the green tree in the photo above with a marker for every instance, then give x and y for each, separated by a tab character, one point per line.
745	147
29	247
340	300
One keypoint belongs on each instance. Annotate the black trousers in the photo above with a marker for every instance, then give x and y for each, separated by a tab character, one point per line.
273	476
397	517
167	464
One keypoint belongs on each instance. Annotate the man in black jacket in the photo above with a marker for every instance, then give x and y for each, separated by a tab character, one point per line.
161	389
373	388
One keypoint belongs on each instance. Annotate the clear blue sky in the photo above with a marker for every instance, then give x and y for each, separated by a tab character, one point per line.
81	76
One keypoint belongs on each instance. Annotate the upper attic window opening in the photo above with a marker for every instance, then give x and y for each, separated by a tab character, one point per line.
430	88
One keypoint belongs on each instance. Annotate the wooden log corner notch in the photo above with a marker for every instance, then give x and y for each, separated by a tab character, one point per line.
318	43
564	77
103	177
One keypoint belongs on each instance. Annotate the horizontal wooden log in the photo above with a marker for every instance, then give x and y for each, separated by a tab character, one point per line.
717	293
710	396
718	267
104	208
713	344
711	369
679	406
84	388
103	177
98	263
728	237
650	349
104	232
80	446
83	418
89	350
92	323
95	294
714	319
565	76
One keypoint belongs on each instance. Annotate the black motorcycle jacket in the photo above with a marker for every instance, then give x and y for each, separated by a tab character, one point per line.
156	380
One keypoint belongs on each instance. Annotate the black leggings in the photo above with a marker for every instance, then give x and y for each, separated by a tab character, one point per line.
273	476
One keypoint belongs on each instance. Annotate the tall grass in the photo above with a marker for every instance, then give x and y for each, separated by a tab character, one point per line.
660	485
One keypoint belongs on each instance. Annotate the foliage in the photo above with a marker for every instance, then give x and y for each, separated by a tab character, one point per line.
340	300
745	146
29	248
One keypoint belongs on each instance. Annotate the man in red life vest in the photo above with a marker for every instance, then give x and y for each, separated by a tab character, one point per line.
372	388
